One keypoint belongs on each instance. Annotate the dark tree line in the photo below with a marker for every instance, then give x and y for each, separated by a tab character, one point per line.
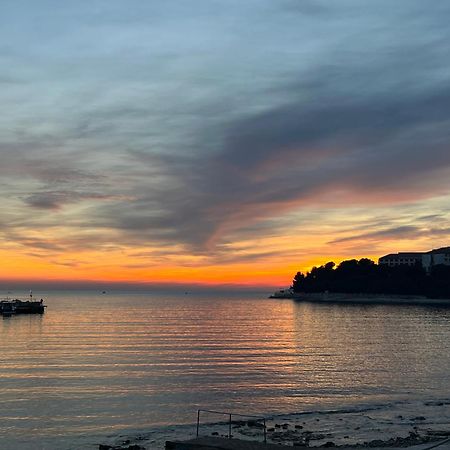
364	276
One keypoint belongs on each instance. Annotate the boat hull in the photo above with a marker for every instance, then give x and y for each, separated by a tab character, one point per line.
10	307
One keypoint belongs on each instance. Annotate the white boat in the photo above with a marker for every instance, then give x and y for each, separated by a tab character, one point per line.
283	293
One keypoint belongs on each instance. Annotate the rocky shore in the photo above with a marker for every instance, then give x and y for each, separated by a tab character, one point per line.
286	434
391	426
293	439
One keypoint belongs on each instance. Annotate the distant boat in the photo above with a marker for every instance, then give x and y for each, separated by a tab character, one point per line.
283	293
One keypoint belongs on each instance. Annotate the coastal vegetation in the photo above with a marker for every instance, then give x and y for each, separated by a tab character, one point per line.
366	277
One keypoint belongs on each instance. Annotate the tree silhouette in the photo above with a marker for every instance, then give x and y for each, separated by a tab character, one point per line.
364	276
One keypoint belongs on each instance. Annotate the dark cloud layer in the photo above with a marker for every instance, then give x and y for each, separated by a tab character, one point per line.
204	126
376	149
58	199
408	232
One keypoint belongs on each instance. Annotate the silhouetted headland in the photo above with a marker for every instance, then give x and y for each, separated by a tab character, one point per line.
365	277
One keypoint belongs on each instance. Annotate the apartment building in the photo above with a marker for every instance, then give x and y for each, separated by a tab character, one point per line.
426	259
401	259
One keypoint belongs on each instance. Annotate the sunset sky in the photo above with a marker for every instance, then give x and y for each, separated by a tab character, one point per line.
220	141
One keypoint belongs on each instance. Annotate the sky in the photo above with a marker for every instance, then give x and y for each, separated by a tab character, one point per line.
219	142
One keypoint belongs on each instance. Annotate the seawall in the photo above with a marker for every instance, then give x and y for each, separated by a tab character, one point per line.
329	297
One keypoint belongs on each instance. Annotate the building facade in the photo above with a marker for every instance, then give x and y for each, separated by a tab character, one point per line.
426	259
401	259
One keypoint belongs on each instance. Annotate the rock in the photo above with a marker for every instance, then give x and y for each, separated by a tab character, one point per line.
376	443
254	424
214	433
129	447
277	425
239	422
285	426
438	433
317	437
270	429
290	435
299	444
419	418
277	436
299	427
328	444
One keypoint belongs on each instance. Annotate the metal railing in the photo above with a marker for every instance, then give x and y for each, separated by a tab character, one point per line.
230	420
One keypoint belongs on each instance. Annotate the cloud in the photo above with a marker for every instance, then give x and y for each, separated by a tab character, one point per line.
57	199
218	133
405	232
339	154
402	232
374	150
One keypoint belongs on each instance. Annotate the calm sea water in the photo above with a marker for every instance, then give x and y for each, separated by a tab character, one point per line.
95	365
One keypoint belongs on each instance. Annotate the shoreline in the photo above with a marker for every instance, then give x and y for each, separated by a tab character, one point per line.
397	425
215	443
287	434
328	297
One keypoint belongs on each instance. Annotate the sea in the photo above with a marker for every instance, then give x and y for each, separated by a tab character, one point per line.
119	367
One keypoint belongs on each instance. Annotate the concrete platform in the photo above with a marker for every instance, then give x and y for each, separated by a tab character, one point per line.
216	443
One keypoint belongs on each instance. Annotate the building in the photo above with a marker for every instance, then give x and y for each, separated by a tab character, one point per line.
401	259
426	259
435	257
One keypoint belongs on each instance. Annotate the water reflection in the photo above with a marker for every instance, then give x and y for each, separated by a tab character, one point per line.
91	364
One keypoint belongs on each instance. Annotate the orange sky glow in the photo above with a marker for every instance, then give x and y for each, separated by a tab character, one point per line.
269	260
191	145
